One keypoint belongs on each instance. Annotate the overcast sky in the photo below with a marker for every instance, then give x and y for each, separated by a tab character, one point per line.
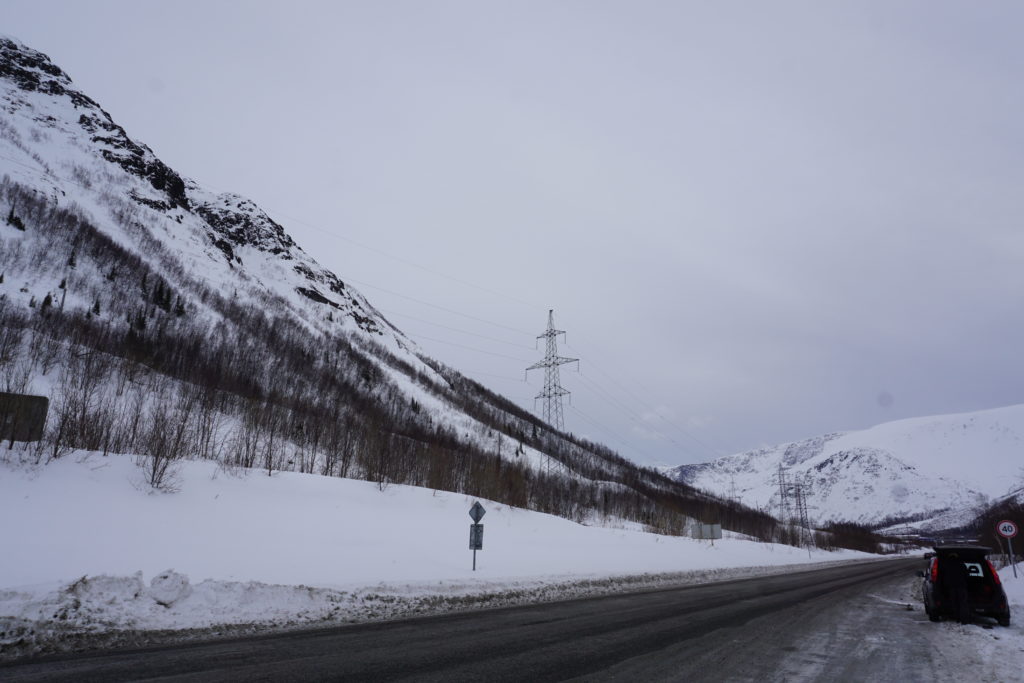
756	221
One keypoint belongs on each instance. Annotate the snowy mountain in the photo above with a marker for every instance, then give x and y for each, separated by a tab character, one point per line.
934	471
171	322
61	144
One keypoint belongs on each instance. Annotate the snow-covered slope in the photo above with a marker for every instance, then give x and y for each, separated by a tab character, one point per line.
227	263
92	550
59	142
915	468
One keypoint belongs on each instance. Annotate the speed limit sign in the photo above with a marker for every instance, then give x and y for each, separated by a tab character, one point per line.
1006	528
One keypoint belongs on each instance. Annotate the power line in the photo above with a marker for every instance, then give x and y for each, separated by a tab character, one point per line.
271	210
518	380
470	348
631	414
623	444
456	329
654	411
440	308
399	258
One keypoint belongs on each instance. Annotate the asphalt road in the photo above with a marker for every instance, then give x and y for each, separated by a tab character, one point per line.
841	623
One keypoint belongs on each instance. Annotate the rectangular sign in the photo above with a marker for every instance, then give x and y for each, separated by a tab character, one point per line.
710	531
22	418
476	536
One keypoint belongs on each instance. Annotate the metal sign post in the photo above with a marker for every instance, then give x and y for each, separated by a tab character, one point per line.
1008	530
476	530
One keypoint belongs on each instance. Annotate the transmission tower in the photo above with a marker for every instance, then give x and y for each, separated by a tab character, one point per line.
780	479
806	535
553	391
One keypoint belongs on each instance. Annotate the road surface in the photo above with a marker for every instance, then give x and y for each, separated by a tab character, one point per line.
845	623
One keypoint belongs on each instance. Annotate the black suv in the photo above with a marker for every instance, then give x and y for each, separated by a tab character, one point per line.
960	582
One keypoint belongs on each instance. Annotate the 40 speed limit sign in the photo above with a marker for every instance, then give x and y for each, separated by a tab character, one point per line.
1008	530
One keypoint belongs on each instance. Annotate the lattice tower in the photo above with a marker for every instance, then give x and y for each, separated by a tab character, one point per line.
553	391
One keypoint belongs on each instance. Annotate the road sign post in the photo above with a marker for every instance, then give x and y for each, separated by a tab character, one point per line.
476	530
1008	530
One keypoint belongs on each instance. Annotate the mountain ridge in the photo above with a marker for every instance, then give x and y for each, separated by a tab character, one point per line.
914	468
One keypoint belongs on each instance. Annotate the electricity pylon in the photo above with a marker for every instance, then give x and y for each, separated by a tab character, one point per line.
780	479
806	534
553	391
797	513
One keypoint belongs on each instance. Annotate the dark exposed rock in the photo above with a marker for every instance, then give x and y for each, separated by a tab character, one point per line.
244	224
225	247
135	158
151	203
335	283
33	71
332	281
316	296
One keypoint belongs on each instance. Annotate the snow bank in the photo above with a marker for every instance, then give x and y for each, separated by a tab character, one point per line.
1014	587
82	534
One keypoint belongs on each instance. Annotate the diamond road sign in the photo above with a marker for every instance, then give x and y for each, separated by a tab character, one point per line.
477	512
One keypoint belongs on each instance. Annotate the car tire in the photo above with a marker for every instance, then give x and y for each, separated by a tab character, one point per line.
934	617
1003	621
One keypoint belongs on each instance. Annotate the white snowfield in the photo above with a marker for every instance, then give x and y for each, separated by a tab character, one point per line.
87	546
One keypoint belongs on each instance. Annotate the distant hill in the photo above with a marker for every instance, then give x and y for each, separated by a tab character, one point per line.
931	472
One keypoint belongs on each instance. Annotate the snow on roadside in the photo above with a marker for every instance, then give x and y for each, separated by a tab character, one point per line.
89	550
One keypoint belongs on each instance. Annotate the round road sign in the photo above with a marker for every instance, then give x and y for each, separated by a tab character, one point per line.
1006	528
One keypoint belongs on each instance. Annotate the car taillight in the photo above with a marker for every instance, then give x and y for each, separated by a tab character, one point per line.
935	570
995	574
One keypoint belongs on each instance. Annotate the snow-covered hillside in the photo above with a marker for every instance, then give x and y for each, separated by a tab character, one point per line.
89	548
59	142
222	261
931	467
